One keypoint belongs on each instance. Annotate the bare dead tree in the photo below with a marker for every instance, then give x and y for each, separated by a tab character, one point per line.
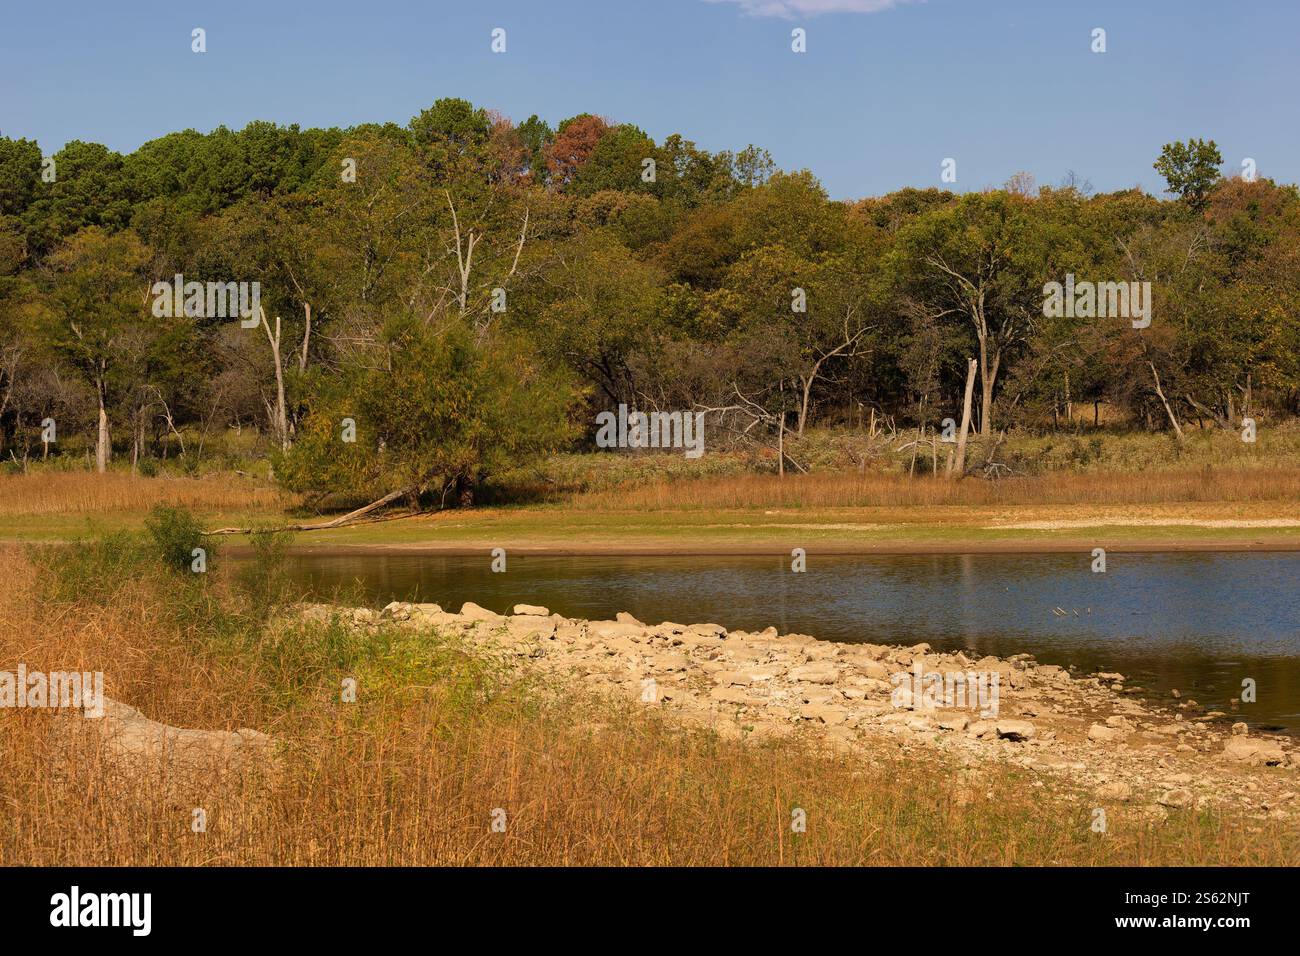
847	347
752	414
463	247
278	413
959	465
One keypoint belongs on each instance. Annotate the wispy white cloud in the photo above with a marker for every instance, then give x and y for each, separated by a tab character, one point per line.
809	8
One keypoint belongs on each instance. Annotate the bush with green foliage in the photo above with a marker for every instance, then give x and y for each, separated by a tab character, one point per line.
434	410
175	534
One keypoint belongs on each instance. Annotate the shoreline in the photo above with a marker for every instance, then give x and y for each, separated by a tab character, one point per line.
689	550
1136	756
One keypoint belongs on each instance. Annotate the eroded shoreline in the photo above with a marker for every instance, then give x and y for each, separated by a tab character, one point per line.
866	699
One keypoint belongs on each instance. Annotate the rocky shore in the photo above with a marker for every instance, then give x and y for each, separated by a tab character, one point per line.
860	698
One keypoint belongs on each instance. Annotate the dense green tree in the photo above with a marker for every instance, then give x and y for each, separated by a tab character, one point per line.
90	187
535	135
20	171
1190	169
982	262
97	315
433	411
478	248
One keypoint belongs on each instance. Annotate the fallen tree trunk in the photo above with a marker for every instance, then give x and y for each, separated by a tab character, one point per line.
333	523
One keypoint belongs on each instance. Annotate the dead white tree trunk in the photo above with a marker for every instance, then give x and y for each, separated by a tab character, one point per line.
958	464
103	441
1173	419
280	414
464	256
780	446
306	337
167	417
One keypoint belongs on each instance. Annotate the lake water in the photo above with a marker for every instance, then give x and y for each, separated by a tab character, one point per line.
1200	622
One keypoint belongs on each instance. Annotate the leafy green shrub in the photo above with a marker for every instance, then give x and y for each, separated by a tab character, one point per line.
175	534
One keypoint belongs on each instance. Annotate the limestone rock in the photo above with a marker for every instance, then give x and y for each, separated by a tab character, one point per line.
1103	734
874	669
609	630
1116	790
173	760
956	722
472	612
364	615
730	695
530	627
397	610
1252	750
821	672
712	631
825	713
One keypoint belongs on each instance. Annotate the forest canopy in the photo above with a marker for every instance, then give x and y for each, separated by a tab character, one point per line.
467	291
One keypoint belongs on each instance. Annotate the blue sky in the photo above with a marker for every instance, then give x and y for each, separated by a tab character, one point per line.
886	90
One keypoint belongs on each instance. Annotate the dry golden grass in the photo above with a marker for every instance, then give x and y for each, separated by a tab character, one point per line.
852	490
412	772
84	492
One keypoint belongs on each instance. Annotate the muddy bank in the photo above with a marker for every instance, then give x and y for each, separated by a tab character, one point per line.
860	698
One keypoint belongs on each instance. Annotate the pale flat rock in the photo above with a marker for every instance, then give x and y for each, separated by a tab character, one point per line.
1252	750
873	669
956	722
472	612
608	630
1103	734
714	631
173	760
821	672
731	695
527	626
1116	790
824	713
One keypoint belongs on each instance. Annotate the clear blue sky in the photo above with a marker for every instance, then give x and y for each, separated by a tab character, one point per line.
876	103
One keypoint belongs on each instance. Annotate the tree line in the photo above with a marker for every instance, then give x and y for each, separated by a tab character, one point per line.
442	299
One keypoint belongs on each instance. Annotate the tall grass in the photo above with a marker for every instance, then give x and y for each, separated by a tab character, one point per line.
84	492
852	490
440	739
1097	469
